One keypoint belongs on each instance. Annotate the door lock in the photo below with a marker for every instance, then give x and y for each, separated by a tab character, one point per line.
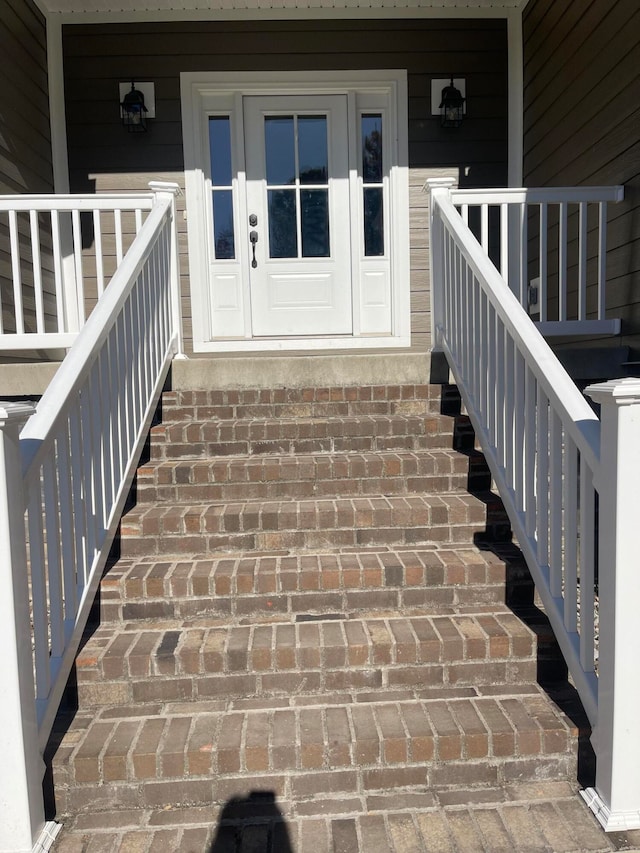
253	220
253	237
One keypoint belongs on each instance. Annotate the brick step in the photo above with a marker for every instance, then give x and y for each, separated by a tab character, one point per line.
239	585
168	661
542	815
303	750
312	523
305	475
195	439
330	402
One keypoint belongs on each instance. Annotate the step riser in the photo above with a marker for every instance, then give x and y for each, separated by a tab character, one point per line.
192	491
267	685
426	598
170	449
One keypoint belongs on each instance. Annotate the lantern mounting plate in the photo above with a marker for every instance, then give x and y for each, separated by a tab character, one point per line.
149	92
437	85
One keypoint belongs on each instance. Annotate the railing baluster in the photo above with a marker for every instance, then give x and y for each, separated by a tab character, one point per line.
68	549
529	457
570	530
40	602
543	288
542	477
522	273
484	227
51	507
504	242
555	505
80	498
602	259
77	257
519	427
117	221
14	240
34	227
562	261
61	324
509	408
582	262
97	242
587	567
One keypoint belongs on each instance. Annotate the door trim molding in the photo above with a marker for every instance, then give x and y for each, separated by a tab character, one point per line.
199	92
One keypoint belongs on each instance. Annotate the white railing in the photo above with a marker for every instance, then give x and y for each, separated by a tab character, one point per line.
68	474
567	482
62	251
550	246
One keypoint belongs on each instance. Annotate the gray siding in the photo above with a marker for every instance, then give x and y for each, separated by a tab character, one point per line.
102	156
25	141
582	122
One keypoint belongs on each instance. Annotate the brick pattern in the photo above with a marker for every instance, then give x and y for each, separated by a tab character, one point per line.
544	817
301	648
239	478
311	583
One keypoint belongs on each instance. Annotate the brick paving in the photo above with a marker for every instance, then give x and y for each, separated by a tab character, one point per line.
302	649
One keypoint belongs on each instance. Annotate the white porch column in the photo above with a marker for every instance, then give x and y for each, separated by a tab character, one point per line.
616	739
22	768
167	189
434	186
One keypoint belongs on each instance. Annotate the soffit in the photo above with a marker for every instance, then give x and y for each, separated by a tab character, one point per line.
85	10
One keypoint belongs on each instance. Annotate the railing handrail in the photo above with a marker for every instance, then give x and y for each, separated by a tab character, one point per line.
79	359
537	195
80	201
558	385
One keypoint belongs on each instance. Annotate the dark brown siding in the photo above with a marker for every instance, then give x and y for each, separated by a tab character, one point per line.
25	141
103	156
582	121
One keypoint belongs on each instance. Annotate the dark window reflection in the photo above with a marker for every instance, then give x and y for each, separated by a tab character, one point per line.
220	150
223	232
283	238
372	149
279	143
315	223
312	149
373	222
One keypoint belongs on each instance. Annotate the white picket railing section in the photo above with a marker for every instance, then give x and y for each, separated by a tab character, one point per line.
62	252
70	472
550	246
566	504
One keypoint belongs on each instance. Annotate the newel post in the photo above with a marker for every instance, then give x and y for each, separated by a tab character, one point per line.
615	800
22	768
436	187
167	189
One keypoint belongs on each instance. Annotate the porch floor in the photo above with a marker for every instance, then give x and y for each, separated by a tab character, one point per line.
545	817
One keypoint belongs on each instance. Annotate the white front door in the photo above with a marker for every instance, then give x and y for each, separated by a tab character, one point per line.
298	218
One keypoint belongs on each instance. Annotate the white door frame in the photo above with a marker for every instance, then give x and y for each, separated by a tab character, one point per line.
219	292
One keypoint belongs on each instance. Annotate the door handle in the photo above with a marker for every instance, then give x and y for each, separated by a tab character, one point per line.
253	237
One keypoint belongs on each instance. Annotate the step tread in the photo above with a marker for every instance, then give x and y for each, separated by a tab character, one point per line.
305	740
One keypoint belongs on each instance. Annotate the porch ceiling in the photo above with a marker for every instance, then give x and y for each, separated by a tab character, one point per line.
167	9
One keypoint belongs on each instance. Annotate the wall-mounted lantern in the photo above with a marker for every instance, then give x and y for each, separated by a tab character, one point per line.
135	106
450	101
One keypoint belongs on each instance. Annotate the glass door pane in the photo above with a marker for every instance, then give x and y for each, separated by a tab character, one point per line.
297	173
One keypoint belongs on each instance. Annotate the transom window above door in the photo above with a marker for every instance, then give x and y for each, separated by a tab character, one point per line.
297	211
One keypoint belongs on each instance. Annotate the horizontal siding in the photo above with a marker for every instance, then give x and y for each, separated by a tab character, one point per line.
582	122
103	156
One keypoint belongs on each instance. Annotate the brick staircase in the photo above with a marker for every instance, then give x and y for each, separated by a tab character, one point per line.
300	625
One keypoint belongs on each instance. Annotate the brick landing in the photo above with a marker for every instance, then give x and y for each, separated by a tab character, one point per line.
303	649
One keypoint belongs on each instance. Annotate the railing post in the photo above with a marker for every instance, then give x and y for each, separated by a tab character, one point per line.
166	189
21	800
436	186
615	800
